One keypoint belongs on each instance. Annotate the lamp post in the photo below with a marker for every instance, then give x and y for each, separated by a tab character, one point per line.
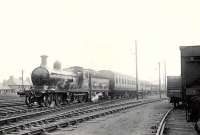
159	79
22	79
165	77
136	67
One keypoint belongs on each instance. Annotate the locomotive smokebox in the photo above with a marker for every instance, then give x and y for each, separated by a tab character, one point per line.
40	76
43	60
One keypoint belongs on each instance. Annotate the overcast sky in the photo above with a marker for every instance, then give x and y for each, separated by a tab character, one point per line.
97	34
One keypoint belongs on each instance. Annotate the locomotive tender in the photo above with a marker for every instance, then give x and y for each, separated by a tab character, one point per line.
58	86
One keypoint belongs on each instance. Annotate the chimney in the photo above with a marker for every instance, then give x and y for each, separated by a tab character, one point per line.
43	61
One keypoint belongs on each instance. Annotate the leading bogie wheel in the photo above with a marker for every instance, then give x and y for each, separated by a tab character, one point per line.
47	100
58	100
28	100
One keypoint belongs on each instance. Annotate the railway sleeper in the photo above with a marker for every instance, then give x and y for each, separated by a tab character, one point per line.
22	127
50	120
73	122
51	128
63	123
80	120
34	132
9	129
3	113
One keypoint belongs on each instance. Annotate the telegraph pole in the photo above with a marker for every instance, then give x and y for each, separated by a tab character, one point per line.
136	67
159	79
22	79
165	79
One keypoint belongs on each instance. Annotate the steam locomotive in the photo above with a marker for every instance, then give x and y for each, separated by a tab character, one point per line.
75	84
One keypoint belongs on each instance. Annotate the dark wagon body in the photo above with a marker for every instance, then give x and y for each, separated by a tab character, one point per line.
174	89
190	76
190	71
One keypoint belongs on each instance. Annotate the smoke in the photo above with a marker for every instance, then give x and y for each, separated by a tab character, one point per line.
96	97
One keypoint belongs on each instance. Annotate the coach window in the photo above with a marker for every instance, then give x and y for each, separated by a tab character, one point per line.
118	79
124	80
134	82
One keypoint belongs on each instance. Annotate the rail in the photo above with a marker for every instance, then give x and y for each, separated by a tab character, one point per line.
162	123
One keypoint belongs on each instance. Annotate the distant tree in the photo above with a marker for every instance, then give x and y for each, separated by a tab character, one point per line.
5	83
11	81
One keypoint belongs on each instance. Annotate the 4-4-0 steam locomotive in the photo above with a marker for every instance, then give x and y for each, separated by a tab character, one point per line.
75	84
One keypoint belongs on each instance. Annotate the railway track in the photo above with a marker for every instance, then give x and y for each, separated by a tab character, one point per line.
12	109
9	113
161	127
17	111
36	112
66	118
154	117
176	124
10	104
173	122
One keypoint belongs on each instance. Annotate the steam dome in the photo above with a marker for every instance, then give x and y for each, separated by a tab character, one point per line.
57	65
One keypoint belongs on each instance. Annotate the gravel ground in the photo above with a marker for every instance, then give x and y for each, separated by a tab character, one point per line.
130	122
